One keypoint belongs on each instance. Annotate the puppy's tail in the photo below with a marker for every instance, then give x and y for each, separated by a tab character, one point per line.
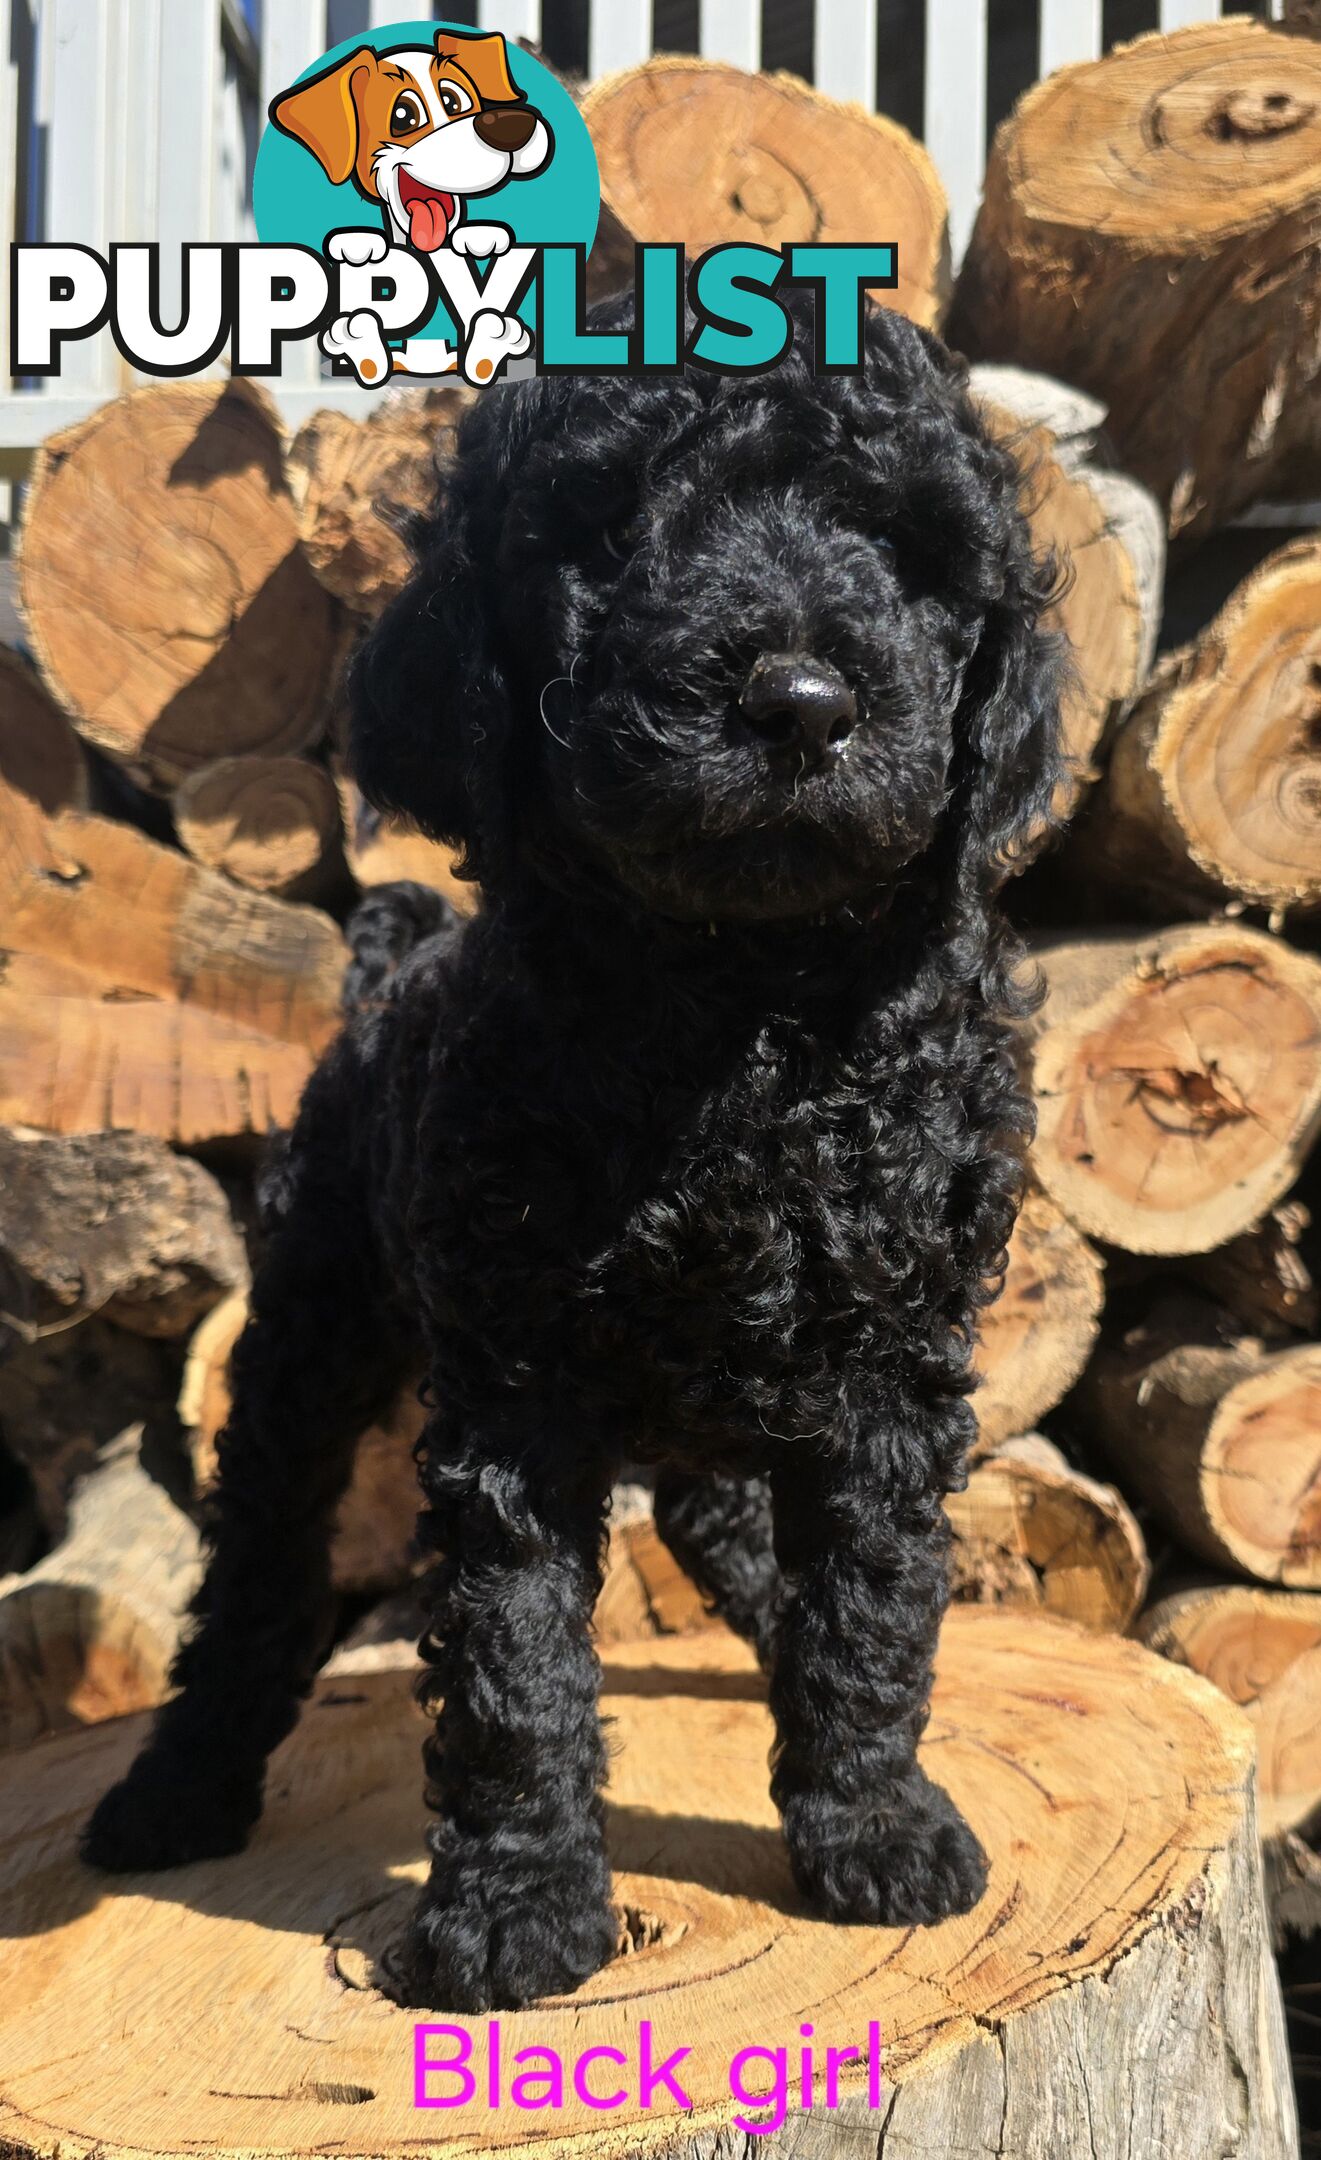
389	922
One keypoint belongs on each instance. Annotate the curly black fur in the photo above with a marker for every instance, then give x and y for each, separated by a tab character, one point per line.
702	1143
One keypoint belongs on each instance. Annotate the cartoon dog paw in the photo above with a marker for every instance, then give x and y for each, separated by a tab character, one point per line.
493	339
481	240
359	339
357	247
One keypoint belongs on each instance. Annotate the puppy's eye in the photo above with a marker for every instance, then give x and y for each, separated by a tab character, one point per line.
620	540
883	541
406	114
454	101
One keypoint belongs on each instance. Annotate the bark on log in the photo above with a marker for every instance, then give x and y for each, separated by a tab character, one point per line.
1038	1335
143	992
1105	528
167	599
1149	229
1213	789
1219	1435
1125	2005
113	1223
269	823
695	151
40	756
357	485
1178	1082
380	850
1031	1531
373	1541
1262	1648
91	1631
1262	1277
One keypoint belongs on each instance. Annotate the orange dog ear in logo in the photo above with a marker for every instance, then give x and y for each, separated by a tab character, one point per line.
483	61
323	113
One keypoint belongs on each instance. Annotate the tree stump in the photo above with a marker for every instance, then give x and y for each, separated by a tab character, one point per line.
167	599
695	151
1219	1435
1177	1081
1148	230
1112	1994
1213	789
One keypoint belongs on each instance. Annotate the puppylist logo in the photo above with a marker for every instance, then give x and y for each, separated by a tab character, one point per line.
425	198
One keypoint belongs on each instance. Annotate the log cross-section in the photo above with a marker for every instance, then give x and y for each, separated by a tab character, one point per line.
1116	1971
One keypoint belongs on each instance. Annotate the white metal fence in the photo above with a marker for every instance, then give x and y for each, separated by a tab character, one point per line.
138	120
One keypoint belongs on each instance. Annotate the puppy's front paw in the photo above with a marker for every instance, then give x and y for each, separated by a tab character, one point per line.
357	246
358	339
163	1815
487	1946
906	1868
479	241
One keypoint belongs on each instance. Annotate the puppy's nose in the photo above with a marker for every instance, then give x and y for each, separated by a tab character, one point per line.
505	130
798	705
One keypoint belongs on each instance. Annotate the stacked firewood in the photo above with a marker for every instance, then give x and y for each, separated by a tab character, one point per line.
180	843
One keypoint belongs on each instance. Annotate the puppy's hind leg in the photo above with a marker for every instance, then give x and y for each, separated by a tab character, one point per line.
719	1530
320	1357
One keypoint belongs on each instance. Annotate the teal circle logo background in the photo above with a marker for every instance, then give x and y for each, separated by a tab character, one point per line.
293	202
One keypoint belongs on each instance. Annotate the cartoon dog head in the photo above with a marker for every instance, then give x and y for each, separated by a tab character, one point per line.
417	130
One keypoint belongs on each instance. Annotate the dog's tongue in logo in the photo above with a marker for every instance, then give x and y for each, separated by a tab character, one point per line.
428	210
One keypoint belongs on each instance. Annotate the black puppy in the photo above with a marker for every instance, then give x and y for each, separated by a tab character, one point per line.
701	1144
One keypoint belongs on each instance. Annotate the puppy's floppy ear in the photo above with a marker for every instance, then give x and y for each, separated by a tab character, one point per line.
429	708
484	61
322	113
1007	761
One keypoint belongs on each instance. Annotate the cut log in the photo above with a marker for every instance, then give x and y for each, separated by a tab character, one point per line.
167	599
1080	1998
1031	1531
1213	789
272	824
372	1548
1108	532
1148	230
645	1591
1219	1435
1038	1335
698	152
381	850
91	1631
142	992
65	1397
112	1223
1177	1080
357	485
1262	1648
40	755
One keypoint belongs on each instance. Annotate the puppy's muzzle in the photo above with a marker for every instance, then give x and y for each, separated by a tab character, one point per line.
505	130
800	709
